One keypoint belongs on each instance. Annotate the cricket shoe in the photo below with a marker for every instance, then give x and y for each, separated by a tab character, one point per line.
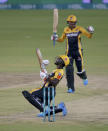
85	82
63	107
41	114
70	91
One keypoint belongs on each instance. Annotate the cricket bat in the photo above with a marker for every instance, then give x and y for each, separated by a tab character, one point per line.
55	23
39	56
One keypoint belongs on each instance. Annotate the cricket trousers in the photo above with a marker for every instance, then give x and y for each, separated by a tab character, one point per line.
77	57
36	99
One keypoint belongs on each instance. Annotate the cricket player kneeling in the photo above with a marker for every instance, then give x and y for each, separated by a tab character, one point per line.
35	96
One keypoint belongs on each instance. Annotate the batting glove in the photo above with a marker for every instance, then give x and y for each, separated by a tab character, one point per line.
90	29
43	75
54	37
45	62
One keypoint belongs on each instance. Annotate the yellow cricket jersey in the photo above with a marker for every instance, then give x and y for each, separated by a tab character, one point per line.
56	74
73	37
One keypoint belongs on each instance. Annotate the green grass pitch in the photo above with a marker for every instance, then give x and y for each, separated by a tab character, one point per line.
21	32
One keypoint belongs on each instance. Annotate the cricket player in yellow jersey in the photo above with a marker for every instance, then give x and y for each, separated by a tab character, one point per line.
35	96
72	33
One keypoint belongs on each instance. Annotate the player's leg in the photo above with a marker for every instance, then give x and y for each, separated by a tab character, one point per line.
58	109
55	109
35	101
46	100
70	77
61	108
80	67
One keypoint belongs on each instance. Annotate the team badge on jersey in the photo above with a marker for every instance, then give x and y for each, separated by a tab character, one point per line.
59	76
65	59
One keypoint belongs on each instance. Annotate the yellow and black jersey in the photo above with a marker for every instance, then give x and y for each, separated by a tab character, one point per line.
56	74
73	37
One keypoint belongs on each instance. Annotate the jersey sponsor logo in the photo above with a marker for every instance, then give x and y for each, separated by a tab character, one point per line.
72	34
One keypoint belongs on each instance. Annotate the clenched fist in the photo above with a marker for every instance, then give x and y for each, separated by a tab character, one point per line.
54	37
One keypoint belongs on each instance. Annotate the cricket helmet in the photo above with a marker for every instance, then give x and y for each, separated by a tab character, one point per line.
71	18
65	59
62	60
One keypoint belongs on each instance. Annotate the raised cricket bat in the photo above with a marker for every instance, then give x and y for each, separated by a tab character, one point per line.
39	56
55	23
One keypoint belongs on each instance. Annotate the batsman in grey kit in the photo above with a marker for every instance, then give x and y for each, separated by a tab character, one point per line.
40	100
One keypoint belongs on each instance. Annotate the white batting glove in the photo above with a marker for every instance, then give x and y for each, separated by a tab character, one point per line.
45	71
54	37
45	62
90	29
43	75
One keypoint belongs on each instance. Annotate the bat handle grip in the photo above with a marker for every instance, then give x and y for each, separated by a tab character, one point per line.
54	39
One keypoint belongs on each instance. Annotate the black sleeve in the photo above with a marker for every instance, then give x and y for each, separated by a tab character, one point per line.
51	74
54	82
